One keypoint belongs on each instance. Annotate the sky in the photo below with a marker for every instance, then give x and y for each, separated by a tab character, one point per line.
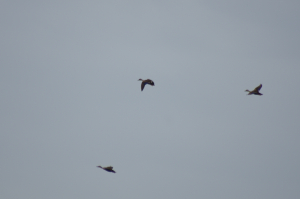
70	99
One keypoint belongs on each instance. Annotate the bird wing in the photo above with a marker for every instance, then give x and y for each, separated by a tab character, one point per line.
143	85
258	88
110	167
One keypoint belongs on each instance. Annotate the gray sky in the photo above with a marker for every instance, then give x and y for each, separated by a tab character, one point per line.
70	99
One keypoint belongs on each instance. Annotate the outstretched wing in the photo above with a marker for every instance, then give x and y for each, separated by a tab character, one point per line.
110	167
143	85
258	88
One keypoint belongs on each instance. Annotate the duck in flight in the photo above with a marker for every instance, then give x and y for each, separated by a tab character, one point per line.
109	169
146	81
255	91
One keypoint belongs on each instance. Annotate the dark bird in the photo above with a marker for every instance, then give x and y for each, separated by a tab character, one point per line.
255	91
109	169
144	82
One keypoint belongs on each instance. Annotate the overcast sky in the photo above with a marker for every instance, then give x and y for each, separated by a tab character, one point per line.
70	99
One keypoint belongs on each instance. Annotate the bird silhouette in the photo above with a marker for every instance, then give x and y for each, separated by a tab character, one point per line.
109	169
255	91
144	82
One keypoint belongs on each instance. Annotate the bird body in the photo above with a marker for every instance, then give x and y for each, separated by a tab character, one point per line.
108	169
255	91
146	81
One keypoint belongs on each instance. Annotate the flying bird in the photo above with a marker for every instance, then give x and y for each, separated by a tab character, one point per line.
144	82
255	91
109	169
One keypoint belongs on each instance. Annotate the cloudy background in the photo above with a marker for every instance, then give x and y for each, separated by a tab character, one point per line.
70	99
